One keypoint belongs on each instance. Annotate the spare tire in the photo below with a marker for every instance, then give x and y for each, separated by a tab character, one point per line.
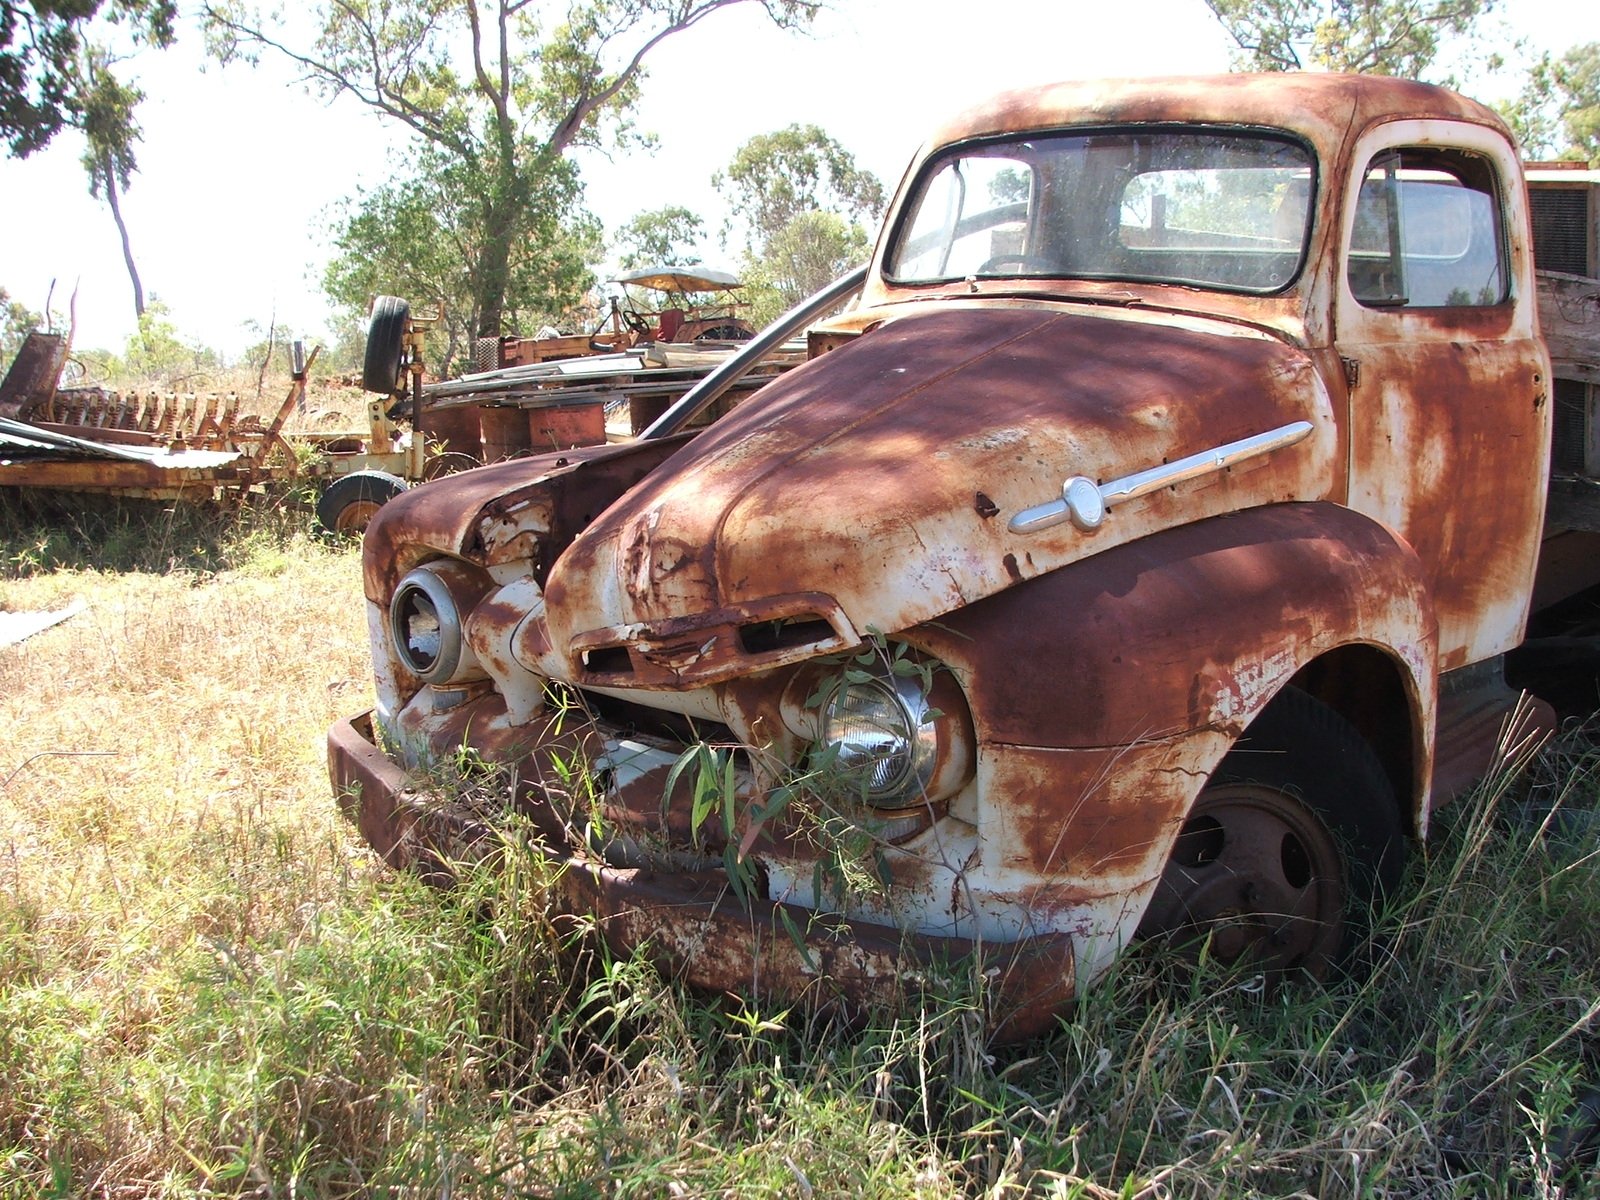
386	344
351	500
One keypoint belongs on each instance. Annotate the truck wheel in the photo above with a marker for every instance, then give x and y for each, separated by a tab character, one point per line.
351	500
386	343
1294	838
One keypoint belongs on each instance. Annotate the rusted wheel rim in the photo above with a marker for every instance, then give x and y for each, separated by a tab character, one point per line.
356	516
1256	872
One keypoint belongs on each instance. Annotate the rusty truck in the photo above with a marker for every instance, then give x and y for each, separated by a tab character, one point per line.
1138	557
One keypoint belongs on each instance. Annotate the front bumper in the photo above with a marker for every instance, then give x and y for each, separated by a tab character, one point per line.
696	929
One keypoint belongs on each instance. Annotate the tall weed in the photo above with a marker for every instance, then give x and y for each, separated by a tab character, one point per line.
208	986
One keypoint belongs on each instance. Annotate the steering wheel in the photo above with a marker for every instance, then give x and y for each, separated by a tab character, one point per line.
1031	264
635	322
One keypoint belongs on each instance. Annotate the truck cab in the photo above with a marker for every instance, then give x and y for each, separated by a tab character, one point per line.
1136	558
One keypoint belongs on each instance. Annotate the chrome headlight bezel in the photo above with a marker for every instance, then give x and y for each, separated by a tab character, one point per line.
902	740
439	594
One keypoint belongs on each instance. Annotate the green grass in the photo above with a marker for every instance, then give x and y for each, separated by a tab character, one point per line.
42	532
208	986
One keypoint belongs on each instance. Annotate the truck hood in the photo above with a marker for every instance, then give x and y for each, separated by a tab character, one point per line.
879	479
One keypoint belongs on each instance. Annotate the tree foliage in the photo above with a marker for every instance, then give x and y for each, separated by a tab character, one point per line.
17	320
419	235
157	351
1559	110
805	210
499	90
45	85
664	237
806	255
776	177
1379	37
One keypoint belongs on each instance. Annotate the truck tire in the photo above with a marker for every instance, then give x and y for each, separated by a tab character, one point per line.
350	501
1294	838
386	343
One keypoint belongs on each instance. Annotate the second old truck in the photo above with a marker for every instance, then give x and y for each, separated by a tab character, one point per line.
1136	558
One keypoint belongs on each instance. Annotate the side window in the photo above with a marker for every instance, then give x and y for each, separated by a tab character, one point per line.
1428	232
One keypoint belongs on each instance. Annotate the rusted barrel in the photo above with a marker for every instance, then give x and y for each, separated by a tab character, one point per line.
505	433
454	430
561	427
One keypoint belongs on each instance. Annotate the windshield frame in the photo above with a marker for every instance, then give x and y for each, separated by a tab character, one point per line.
916	192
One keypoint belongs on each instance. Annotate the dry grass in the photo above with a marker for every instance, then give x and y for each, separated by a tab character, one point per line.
207	986
163	801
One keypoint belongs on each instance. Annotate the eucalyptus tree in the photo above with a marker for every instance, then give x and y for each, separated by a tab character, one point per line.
44	84
804	210
501	89
1376	37
1559	109
660	237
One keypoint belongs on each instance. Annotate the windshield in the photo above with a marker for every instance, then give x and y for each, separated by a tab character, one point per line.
1202	208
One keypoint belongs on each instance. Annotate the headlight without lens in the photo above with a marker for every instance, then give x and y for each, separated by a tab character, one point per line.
425	621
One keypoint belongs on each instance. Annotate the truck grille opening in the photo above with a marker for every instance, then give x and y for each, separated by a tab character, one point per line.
1560	217
608	660
785	633
1569	450
626	717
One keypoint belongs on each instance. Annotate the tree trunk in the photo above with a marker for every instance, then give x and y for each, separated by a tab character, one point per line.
109	178
494	271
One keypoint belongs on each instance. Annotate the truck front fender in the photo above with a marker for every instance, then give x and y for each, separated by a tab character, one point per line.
1104	694
1190	628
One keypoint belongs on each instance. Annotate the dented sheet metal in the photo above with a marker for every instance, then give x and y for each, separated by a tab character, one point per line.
698	931
1076	534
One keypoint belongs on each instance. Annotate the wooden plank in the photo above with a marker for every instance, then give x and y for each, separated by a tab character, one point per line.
1569	317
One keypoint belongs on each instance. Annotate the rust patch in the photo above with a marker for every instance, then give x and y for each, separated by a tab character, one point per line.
1140	623
698	931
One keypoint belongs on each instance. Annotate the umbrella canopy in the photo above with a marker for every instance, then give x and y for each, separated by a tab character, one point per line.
681	279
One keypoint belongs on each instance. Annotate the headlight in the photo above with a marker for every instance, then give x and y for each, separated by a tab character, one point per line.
883	738
425	621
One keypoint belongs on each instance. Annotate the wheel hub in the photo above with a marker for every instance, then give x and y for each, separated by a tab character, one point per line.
1259	876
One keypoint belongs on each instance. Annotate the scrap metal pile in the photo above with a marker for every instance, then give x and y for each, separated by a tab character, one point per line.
583	401
156	446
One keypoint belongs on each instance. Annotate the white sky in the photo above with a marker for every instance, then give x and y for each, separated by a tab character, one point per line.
238	168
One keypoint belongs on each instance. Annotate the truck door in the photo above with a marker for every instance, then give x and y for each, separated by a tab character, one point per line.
1435	319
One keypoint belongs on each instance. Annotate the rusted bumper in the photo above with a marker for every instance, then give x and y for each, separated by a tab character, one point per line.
697	929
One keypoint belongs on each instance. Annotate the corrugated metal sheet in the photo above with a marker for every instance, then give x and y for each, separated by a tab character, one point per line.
20	440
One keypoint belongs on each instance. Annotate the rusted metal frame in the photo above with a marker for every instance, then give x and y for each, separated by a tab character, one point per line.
693	924
122	416
228	420
30	381
205	426
107	474
106	437
297	389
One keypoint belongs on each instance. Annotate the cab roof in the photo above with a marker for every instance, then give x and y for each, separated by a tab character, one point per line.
1327	109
